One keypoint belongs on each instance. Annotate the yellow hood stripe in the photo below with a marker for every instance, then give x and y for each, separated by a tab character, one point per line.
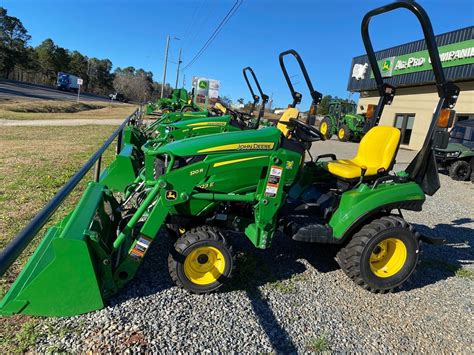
217	123
227	162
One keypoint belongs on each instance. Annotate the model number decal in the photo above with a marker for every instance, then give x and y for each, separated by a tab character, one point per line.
197	171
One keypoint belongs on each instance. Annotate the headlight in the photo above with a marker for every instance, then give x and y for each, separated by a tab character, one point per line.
452	154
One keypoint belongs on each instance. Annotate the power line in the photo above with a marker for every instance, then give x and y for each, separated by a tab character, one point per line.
218	29
193	21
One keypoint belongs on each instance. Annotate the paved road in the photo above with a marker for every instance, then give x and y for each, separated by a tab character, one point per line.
17	90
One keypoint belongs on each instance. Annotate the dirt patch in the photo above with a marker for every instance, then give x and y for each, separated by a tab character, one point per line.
54	109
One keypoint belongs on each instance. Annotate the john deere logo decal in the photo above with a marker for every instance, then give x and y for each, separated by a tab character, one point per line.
203	84
386	67
171	195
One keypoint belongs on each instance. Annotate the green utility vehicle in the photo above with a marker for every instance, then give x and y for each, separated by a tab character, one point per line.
343	120
458	157
255	182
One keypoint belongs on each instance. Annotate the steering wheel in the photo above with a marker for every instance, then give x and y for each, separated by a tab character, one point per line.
306	132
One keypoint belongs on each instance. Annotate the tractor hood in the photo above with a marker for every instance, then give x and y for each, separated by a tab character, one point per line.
195	123
262	139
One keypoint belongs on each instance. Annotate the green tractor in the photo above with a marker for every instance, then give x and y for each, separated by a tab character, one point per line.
128	163
252	181
178	100
126	167
344	121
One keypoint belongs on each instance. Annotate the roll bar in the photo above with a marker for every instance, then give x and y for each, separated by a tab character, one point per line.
256	98
447	91
315	95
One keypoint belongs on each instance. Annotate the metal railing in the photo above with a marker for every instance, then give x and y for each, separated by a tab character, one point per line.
22	239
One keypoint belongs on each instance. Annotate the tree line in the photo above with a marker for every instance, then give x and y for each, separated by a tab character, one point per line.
40	65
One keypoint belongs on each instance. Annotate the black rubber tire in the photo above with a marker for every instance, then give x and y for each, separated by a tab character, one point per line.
347	134
187	109
460	170
198	237
354	257
328	133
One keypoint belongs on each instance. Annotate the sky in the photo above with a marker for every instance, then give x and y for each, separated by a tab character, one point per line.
325	33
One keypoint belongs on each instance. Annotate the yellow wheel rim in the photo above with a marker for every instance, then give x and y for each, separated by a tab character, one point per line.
324	128
204	265
341	133
388	257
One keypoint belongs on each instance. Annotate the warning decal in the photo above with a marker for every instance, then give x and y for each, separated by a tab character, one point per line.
140	248
273	181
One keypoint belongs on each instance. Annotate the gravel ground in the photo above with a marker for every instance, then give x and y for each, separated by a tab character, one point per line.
294	298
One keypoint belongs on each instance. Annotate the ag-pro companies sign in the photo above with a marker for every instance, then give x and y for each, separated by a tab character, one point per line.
451	55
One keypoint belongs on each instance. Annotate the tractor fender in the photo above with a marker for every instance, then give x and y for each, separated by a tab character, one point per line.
360	205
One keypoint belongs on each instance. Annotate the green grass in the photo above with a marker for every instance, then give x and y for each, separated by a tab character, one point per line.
465	273
287	286
457	270
35	163
318	344
18	339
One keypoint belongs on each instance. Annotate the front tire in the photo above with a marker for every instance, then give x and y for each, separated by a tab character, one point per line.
325	127
344	134
187	109
201	260
460	170
382	255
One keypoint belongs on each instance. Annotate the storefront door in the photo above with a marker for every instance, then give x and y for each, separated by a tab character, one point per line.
404	122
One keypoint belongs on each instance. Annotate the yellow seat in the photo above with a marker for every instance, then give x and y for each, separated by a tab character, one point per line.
289	113
376	152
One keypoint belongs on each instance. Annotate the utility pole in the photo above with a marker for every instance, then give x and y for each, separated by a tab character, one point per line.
166	62
168	38
177	70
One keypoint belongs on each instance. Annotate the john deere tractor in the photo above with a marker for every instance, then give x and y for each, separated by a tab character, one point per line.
343	121
177	101
252	181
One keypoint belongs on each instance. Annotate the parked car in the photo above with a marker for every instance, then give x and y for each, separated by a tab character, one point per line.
458	157
118	97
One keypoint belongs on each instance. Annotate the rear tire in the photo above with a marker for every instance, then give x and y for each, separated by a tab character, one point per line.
201	260
382	255
460	170
325	127
344	134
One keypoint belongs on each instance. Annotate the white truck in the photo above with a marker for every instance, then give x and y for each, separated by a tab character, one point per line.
67	82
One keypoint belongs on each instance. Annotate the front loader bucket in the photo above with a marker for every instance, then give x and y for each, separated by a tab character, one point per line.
70	271
123	170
